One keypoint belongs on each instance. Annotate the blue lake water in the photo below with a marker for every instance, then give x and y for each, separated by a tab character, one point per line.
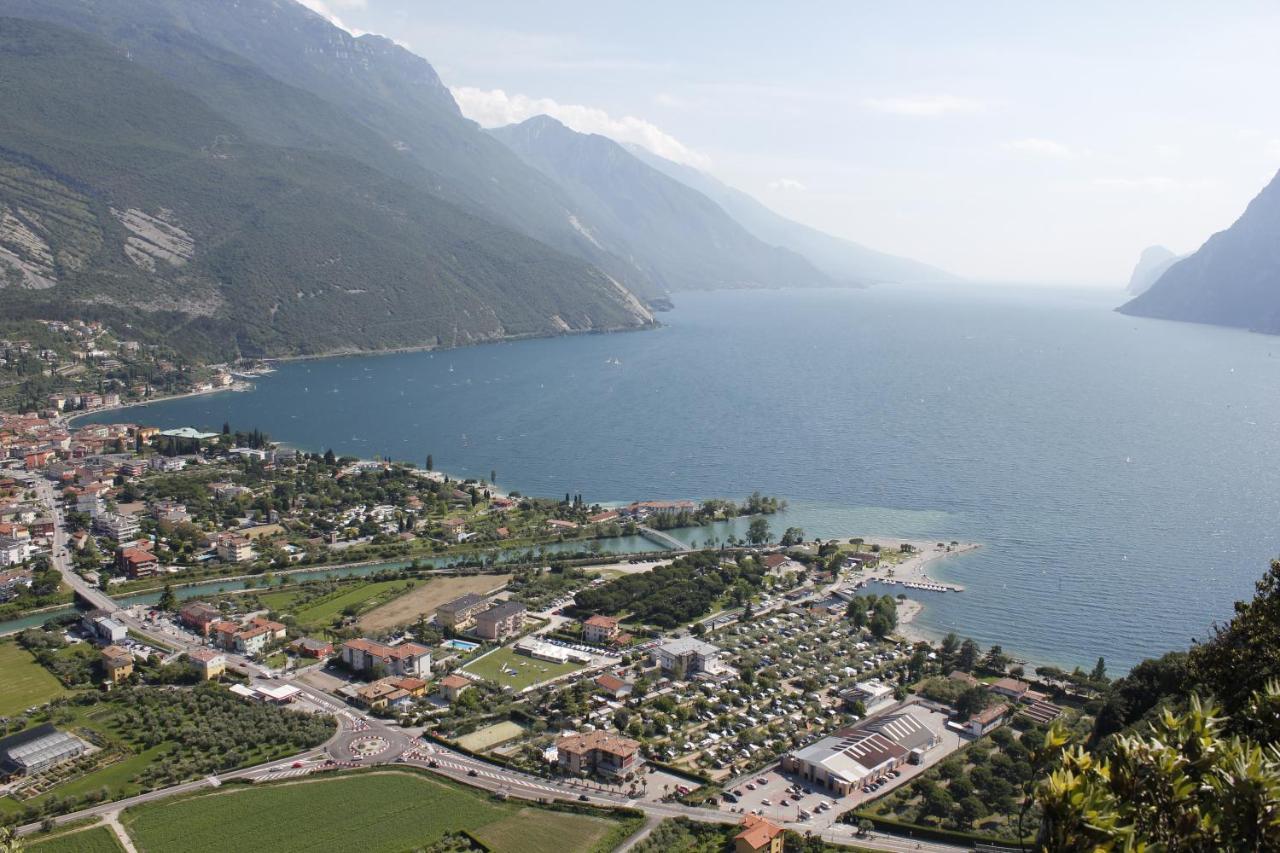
1121	473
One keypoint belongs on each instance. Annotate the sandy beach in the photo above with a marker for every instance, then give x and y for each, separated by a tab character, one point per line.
914	568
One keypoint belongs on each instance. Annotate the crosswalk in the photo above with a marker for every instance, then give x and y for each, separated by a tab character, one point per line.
507	778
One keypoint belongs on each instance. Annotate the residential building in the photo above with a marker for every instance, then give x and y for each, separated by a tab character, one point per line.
758	835
455	529
394	692
36	750
1010	687
120	528
500	621
452	686
987	719
276	630
102	628
459	613
363	655
117	663
137	562
599	752
198	616
685	657
600	629
14	582
14	551
232	548
613	686
309	648
212	664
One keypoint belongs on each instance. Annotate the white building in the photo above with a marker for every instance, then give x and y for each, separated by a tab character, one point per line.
874	695
686	657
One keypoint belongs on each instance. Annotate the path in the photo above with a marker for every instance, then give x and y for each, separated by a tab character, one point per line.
113	821
640	834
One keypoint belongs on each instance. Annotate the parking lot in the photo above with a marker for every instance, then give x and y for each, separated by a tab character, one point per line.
776	798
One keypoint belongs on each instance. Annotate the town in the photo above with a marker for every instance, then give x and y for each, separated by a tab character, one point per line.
356	613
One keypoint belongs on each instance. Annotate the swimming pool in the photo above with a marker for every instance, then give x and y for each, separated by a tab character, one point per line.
461	645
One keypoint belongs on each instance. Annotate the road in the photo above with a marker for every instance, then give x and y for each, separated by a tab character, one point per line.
392	744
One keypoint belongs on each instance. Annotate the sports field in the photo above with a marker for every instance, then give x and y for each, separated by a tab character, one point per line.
379	812
25	682
482	739
424	600
505	668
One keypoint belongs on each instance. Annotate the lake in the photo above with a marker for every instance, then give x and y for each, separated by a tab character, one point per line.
1121	473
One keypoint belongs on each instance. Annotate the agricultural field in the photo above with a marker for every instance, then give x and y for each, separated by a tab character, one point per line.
505	668
397	811
322	612
26	683
424	599
489	736
97	839
538	831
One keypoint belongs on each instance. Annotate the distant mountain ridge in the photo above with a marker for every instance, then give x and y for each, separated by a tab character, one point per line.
675	234
843	260
126	197
1232	280
1152	263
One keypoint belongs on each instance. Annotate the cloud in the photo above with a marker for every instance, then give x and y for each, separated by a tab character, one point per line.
1273	148
1042	148
926	106
787	185
495	108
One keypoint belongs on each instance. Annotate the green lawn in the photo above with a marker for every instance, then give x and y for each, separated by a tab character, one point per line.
527	670
373	812
539	831
26	683
98	839
322	612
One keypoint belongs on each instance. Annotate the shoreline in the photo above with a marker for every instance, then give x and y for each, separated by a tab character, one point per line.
914	568
238	386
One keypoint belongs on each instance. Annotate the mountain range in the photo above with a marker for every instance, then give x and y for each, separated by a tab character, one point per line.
247	179
1232	280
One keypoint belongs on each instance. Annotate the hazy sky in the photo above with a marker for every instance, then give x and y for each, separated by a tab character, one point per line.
1000	140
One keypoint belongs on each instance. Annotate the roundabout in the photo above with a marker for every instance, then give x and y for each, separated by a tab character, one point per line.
367	746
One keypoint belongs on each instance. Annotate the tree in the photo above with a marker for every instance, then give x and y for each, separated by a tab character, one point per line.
792	536
968	655
950	645
329	458
168	601
1099	671
1185	785
431	463
971	701
758	531
996	660
493	475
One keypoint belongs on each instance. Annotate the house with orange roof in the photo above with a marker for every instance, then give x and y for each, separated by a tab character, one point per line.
758	835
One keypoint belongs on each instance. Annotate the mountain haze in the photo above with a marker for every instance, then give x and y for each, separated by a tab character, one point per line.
126	197
675	234
843	260
1232	280
1152	263
287	76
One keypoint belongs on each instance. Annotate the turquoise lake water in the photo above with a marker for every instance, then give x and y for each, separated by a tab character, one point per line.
1121	473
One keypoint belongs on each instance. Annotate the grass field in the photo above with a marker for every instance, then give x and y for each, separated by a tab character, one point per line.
497	667
322	612
425	599
482	739
538	831
98	839
373	812
26	683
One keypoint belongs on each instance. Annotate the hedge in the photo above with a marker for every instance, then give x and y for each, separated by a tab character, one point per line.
934	833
